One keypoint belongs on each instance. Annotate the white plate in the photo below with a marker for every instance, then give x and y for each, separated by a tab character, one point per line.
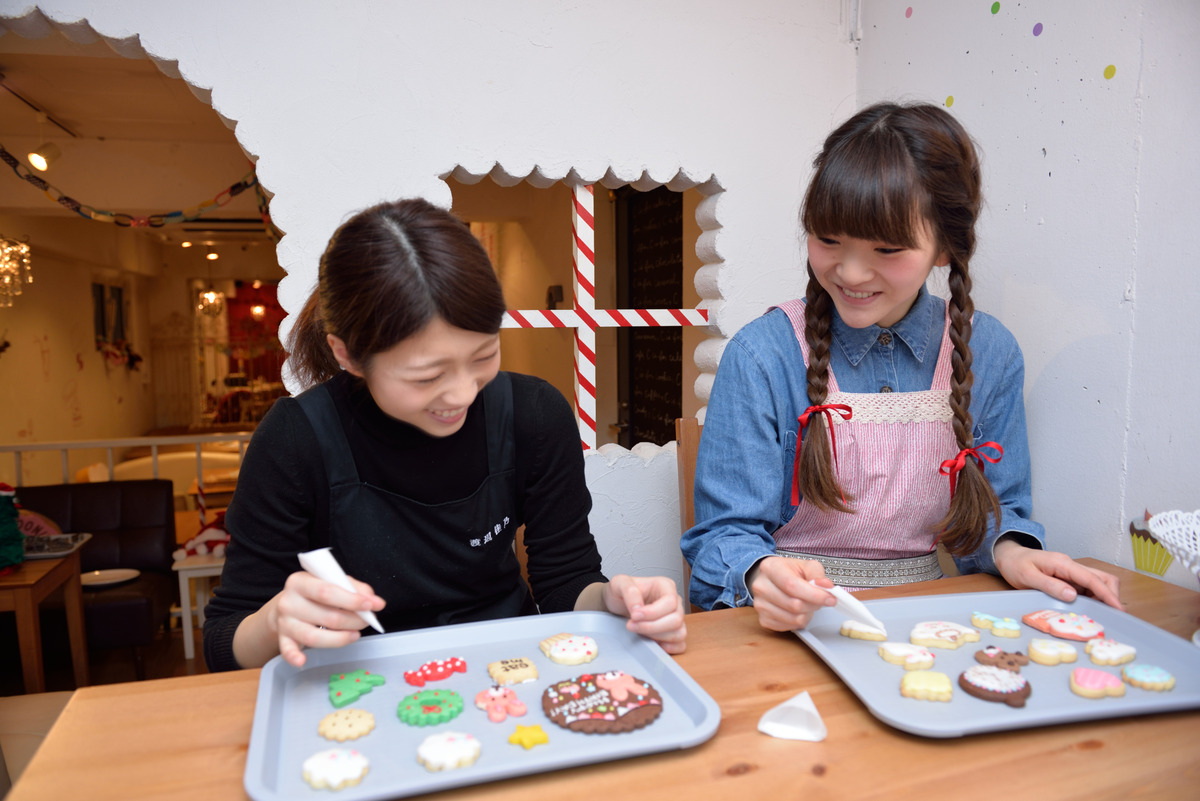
103	578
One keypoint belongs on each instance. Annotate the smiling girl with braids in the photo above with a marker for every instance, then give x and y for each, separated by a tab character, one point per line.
847	434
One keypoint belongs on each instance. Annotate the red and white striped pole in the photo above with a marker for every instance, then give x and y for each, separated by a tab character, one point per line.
585	318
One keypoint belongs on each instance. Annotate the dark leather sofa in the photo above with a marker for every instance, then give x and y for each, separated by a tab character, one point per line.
132	524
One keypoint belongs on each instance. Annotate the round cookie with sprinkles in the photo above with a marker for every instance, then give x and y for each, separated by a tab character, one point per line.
346	724
335	768
430	707
1148	677
602	703
992	683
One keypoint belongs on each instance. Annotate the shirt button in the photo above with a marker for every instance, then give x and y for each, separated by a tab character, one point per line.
885	338
885	389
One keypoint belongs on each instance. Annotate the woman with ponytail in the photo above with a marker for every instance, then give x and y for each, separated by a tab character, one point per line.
415	459
851	432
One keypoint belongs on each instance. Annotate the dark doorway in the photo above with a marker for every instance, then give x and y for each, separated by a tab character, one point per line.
649	232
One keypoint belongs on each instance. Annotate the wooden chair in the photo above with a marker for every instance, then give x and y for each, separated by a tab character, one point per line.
687	443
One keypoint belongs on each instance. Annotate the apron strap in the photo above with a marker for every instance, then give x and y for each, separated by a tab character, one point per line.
318	406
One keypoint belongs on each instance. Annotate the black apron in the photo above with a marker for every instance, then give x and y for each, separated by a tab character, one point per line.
434	564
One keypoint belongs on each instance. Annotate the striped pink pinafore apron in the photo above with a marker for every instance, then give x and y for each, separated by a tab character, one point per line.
888	457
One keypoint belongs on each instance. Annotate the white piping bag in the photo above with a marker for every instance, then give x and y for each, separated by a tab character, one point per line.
321	564
853	608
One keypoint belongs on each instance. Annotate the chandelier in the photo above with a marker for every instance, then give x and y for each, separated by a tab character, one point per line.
212	302
15	269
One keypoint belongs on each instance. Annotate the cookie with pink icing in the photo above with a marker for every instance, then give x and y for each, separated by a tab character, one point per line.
499	703
992	683
911	657
335	768
1067	625
1107	651
1092	683
602	703
942	634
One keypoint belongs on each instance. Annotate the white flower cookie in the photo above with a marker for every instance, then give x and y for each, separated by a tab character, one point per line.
569	649
335	768
448	750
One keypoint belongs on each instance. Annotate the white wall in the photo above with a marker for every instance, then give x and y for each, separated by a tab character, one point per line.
1092	189
710	94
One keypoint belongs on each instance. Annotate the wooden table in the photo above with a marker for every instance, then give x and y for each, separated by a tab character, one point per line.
23	591
185	738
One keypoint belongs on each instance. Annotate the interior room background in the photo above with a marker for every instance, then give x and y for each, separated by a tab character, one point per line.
1082	112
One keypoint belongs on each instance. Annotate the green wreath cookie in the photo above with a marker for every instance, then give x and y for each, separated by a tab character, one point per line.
430	707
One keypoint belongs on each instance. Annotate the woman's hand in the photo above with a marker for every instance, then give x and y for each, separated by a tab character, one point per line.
653	607
1055	574
784	595
307	613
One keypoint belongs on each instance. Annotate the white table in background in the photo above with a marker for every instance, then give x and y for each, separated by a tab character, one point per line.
201	568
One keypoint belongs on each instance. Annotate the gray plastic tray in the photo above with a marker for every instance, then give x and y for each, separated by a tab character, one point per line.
877	683
291	702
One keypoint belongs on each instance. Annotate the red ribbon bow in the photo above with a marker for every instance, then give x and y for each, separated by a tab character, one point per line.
827	410
950	467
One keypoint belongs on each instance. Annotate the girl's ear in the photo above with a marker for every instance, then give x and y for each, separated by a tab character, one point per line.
342	355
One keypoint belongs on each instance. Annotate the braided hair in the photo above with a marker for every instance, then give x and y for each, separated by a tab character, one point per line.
882	175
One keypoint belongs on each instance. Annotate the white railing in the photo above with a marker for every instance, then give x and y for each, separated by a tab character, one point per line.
108	445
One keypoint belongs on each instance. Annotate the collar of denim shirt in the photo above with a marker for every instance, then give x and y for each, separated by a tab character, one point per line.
920	330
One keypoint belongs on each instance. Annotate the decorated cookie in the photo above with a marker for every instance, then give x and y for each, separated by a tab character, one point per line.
926	685
429	707
1148	677
993	683
1051	652
1092	683
345	688
448	750
991	655
861	631
335	768
912	657
941	634
499	703
512	671
1000	626
1106	651
528	736
569	649
1067	625
346	724
434	671
602	703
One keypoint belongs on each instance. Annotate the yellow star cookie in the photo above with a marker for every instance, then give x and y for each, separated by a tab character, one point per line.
528	736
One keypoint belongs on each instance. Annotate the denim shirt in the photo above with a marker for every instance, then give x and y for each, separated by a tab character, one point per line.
744	467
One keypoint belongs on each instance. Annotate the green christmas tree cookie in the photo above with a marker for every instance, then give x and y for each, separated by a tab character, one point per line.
345	688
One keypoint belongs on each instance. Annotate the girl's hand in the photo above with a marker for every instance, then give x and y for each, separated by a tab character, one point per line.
783	594
311	613
653	607
1055	574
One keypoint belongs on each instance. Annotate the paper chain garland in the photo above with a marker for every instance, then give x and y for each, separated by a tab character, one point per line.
249	180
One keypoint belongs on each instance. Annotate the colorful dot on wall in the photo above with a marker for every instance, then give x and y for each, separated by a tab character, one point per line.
995	8
1037	29
1110	71
949	101
908	13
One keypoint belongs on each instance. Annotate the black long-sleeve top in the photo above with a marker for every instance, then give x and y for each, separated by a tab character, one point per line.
282	503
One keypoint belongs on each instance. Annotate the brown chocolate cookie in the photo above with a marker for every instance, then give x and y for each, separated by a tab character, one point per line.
602	703
992	683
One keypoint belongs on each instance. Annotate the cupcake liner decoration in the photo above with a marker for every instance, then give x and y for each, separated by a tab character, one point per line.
1148	553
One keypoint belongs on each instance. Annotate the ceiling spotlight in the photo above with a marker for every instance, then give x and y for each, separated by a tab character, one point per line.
212	256
44	156
185	244
258	311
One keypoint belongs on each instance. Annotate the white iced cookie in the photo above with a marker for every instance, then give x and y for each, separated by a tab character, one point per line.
1107	651
569	649
448	750
861	631
941	634
1050	652
335	768
912	657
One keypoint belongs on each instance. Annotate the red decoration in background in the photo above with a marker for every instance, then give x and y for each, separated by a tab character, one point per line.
254	344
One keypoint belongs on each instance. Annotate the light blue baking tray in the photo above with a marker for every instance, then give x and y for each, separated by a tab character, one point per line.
877	683
292	701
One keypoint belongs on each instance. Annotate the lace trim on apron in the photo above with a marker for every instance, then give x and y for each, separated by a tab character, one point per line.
927	406
849	572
